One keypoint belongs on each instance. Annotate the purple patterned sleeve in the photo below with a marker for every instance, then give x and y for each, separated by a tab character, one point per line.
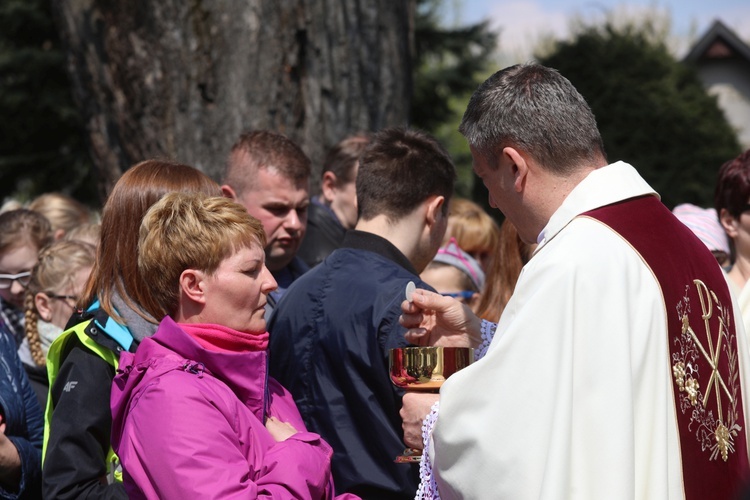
427	486
488	332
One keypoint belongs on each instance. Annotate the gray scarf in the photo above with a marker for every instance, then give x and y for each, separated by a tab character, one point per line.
139	327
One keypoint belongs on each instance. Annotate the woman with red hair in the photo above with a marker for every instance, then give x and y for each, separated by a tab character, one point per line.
732	202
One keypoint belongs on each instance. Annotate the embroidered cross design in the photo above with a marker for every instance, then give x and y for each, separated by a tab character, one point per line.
713	431
714	354
712	357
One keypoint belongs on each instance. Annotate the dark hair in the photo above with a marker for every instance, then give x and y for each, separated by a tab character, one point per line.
537	110
116	267
343	157
264	149
733	186
399	170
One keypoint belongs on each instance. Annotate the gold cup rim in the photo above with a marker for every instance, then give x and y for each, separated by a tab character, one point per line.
426	367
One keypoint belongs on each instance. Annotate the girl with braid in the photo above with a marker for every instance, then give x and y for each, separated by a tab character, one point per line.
56	283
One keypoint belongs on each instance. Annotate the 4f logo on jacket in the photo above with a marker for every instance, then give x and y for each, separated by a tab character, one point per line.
70	385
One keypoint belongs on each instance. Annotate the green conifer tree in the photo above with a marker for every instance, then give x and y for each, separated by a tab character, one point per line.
449	64
42	141
652	110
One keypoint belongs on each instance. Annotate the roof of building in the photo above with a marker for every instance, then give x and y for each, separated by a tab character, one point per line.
717	43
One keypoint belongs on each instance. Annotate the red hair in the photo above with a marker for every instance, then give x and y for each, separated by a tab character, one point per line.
733	187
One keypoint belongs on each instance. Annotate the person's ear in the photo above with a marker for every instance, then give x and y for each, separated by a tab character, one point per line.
328	186
43	306
519	167
192	285
434	209
473	302
229	192
729	223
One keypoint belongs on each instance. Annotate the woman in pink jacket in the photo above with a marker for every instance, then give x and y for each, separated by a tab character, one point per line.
195	414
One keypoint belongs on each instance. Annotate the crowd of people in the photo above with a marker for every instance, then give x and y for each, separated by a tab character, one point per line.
230	338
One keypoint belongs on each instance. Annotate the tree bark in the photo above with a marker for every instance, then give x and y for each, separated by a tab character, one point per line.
182	79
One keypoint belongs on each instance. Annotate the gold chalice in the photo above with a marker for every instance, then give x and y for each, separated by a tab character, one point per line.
425	369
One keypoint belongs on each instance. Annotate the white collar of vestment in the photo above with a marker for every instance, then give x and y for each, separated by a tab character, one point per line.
603	186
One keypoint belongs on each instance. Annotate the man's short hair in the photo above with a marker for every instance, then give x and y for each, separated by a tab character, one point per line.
189	231
399	170
264	149
534	109
343	157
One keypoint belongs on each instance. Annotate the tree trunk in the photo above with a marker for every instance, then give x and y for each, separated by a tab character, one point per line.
182	79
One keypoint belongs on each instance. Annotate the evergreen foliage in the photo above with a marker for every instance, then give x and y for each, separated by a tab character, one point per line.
42	139
449	64
652	110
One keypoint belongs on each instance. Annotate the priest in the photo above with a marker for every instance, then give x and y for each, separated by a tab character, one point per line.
617	369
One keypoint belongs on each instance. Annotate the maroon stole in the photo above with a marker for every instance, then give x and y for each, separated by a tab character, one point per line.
702	345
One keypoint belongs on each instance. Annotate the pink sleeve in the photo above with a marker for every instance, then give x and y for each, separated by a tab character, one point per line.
179	442
284	408
299	467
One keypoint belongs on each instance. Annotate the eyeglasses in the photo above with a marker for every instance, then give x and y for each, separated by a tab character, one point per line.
6	280
64	298
463	294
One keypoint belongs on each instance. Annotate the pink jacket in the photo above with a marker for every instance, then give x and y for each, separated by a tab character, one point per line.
188	423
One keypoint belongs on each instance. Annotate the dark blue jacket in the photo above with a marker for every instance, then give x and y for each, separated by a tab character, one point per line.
329	343
324	234
284	278
23	418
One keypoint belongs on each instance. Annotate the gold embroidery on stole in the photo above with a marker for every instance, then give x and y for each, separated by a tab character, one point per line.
715	432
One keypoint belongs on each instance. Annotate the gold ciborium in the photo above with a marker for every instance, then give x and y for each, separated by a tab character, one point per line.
425	369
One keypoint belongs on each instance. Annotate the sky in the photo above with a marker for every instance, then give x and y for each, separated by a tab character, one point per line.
522	23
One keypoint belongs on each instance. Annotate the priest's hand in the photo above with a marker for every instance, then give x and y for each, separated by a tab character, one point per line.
435	320
415	407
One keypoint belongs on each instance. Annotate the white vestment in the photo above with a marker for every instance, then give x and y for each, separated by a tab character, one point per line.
743	300
574	398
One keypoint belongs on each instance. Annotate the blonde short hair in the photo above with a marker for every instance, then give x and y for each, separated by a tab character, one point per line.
116	269
189	231
63	212
88	233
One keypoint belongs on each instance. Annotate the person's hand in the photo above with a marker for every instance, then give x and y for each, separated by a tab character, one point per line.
10	460
436	320
279	430
415	407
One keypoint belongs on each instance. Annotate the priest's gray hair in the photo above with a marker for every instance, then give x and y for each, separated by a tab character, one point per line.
534	109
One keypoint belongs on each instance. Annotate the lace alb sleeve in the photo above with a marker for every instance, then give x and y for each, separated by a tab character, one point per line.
488	333
427	485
